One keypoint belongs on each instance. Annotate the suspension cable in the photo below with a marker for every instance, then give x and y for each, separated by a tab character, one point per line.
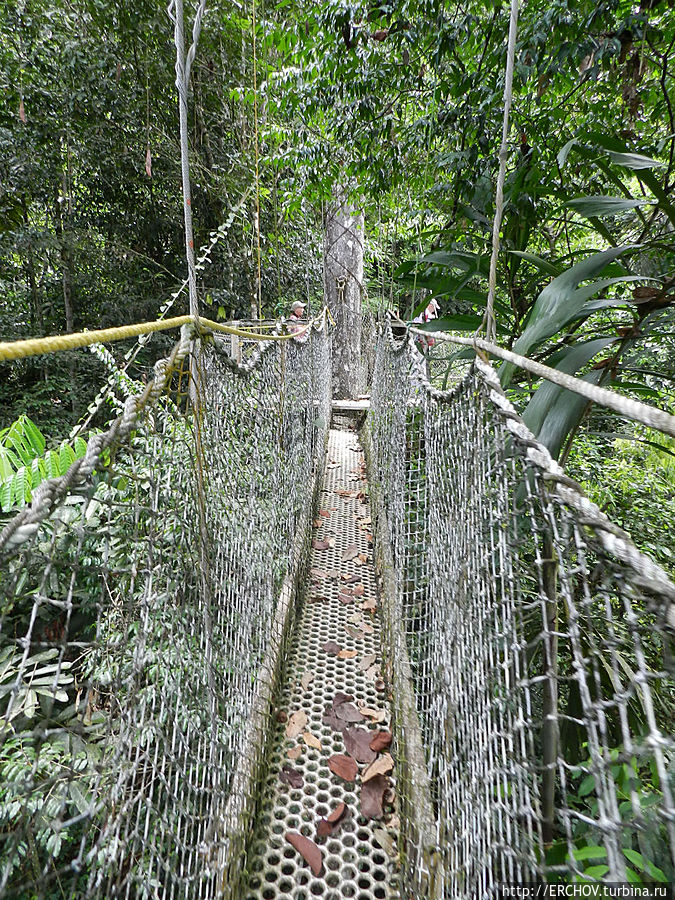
625	406
55	343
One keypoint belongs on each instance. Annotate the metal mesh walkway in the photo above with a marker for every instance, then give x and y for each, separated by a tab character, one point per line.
334	655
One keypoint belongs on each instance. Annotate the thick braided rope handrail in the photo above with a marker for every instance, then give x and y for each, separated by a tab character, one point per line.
615	541
55	343
625	406
48	493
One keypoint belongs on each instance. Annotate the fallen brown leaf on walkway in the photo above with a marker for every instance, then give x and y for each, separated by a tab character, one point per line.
381	766
379	685
318	573
319	544
354	632
294	752
330	823
372	674
350	553
326	513
345	599
359	590
296	724
372	796
343	766
311	741
369	605
380	741
306	680
291	777
333	573
375	715
357	744
365	626
366	661
331	648
307	849
385	841
347	654
350	579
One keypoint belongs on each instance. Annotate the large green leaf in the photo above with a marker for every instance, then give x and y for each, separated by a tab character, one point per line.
603	206
561	301
634	160
548	395
544	264
564	415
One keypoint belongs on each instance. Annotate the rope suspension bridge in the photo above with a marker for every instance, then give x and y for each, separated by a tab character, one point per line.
205	690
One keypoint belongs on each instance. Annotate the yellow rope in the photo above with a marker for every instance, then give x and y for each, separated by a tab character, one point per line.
55	343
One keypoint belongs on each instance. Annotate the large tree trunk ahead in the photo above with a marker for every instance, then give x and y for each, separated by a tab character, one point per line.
343	286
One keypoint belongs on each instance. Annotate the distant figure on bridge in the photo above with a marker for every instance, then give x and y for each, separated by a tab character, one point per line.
295	325
428	313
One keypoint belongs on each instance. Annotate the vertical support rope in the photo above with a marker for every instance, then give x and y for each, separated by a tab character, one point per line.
489	320
183	69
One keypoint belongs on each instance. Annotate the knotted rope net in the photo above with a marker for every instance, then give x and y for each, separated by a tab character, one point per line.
144	599
531	650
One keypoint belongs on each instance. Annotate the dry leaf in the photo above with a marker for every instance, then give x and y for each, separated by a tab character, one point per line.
306	680
372	673
359	590
330	541
370	604
350	579
307	849
294	752
367	628
385	841
347	654
317	523
296	724
311	741
381	766
375	715
354	632
363	557
345	599
350	553
356	619
326	513
372	797
319	544
318	573
291	776
317	598
380	741
379	685
333	573
357	744
367	661
343	766
331	648
330	823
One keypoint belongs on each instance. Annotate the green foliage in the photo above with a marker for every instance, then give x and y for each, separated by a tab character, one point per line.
623	474
25	463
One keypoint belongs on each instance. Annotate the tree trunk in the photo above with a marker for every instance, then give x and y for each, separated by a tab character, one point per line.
343	286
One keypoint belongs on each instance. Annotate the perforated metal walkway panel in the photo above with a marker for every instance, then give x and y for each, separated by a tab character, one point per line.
355	863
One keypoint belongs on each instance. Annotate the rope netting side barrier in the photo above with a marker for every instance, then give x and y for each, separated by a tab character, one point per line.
144	604
530	650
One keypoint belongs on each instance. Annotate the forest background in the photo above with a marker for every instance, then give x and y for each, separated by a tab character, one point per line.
402	105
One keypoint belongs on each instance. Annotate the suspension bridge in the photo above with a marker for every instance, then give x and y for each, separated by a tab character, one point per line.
245	654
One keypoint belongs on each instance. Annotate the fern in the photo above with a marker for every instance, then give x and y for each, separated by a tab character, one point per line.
25	462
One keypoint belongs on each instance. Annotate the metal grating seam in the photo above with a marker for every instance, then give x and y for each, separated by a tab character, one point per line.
356	864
